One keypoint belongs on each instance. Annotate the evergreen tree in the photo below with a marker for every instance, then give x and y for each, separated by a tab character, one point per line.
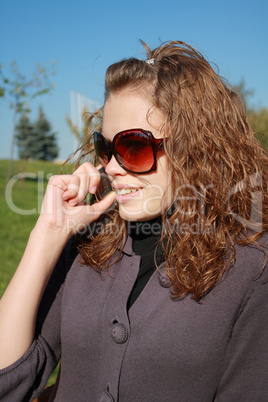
20	89
45	145
36	141
24	133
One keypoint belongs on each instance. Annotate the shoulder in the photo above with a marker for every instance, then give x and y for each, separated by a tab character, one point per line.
252	259
247	276
247	273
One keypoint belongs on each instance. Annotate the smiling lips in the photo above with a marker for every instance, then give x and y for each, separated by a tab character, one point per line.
123	193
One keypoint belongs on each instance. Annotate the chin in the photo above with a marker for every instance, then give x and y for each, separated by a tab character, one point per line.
135	214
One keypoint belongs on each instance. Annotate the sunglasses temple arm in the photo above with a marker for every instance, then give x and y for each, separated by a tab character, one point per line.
159	145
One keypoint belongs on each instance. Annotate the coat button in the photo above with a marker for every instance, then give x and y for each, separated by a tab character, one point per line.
119	332
164	280
106	397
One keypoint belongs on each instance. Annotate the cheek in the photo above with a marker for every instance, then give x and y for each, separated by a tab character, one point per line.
164	181
157	194
161	175
152	201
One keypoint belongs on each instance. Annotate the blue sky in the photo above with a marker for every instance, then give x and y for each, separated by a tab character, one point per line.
85	37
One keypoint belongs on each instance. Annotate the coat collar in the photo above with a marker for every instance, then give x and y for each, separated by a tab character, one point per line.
127	249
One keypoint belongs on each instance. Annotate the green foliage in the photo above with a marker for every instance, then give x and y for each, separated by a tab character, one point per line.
24	135
241	89
2	82
258	118
259	121
20	89
36	141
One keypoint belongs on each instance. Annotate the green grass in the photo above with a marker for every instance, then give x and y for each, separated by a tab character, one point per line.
20	202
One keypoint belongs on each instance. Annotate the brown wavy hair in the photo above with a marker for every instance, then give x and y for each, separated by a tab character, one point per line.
218	169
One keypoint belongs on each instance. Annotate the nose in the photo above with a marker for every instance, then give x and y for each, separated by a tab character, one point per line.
113	168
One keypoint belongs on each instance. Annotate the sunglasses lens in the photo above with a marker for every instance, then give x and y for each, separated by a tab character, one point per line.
134	152
101	149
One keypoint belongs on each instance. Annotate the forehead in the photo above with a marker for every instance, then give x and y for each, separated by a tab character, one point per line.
128	109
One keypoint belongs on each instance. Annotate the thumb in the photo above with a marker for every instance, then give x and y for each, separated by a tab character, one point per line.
86	214
100	207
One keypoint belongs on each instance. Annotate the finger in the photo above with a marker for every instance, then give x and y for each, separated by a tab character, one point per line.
90	179
85	214
81	186
94	182
53	196
72	186
59	182
85	180
94	175
100	207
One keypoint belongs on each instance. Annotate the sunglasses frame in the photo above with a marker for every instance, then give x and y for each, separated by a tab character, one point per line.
157	144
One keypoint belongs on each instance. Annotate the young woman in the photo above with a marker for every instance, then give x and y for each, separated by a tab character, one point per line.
166	297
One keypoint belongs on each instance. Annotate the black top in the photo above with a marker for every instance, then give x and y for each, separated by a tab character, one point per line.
145	236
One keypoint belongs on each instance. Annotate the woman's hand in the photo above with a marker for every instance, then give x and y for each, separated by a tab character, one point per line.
63	213
64	207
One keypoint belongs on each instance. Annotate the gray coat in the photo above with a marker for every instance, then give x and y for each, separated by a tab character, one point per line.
162	350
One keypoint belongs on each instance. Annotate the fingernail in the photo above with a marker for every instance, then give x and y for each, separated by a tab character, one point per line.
93	190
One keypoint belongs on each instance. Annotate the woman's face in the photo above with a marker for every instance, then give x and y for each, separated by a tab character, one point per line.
126	110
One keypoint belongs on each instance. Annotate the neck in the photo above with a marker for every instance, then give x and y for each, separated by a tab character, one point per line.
144	229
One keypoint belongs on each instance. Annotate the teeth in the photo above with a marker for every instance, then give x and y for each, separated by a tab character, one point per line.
124	191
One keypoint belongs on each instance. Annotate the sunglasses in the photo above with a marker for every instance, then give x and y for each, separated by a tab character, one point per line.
135	150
